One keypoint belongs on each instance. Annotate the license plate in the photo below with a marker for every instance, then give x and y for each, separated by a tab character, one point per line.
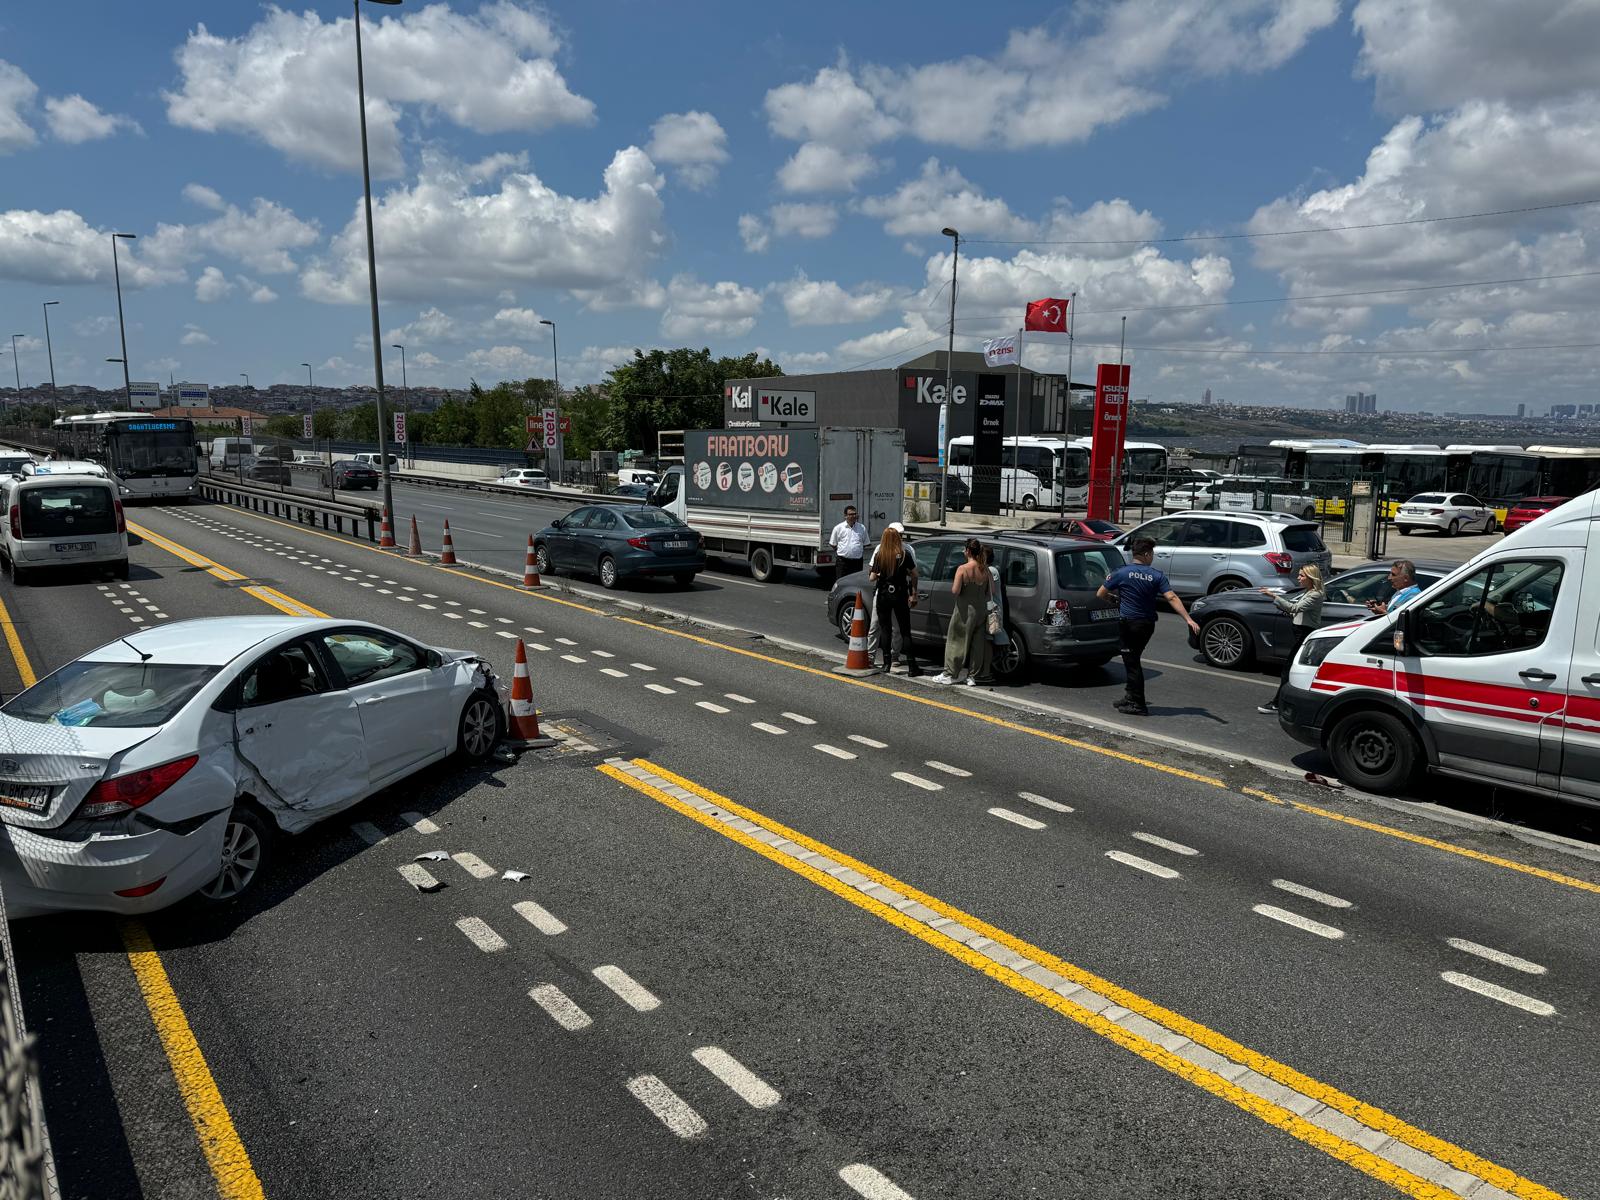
677	545
72	547
30	796
1105	614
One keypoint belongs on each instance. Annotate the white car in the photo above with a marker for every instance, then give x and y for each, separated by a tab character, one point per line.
167	762
1232	494
1449	512
525	477
375	461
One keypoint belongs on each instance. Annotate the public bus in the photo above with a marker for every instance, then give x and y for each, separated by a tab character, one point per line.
1035	472
1501	477
151	458
1143	476
1285	458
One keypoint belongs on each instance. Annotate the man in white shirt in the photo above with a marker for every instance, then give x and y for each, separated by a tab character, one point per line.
849	541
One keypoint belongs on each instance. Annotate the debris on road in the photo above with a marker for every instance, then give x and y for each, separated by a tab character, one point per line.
1332	785
432	856
516	876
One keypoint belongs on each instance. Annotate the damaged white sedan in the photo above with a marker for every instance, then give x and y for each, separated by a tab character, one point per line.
167	762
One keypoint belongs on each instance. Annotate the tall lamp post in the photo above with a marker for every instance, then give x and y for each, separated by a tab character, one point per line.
405	386
17	363
949	367
122	328
49	352
372	267
555	361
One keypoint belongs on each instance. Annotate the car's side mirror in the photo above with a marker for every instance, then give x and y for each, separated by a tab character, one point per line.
1404	634
559	523
435	659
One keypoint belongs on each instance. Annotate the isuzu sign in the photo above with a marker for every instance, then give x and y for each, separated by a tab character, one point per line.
772	405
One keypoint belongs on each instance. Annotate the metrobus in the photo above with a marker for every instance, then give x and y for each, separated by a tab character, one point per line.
1285	458
1035	472
151	458
1501	477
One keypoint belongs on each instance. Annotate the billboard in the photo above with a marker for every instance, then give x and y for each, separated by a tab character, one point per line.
192	395
774	470
144	395
1110	431
773	404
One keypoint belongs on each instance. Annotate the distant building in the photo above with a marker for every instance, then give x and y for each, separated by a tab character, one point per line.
1361	402
1521	409
1205	397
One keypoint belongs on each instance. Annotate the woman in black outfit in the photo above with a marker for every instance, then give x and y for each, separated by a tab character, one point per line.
894	571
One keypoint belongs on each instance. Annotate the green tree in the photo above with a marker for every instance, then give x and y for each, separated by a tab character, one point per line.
590	411
672	389
283	425
324	423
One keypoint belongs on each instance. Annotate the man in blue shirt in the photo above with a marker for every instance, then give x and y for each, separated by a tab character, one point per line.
1403	579
1137	586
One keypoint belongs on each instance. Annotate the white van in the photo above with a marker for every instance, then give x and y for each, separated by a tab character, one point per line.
233	453
1491	674
60	517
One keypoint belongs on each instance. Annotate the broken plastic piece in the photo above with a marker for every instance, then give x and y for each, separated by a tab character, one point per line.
1320	781
431	856
431	885
516	876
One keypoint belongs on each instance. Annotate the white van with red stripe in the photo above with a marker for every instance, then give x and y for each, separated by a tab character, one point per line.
1491	674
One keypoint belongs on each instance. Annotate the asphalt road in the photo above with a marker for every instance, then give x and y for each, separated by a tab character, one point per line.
1056	963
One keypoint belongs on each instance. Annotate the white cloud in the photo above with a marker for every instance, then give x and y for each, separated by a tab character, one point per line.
832	109
427	359
755	233
519	322
941	196
62	248
92	327
193	335
593	362
212	286
625	293
693	142
694	308
16	97
496	165
804	220
431	326
259	293
73	119
824	302
287	80
804	360
816	167
440	236
261	238
205	197
1434	54
509	362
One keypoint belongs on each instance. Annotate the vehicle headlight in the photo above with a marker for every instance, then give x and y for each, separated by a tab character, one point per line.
1203	602
1316	650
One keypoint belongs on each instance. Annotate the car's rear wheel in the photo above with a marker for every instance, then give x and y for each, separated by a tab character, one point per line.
1010	661
1228	583
246	850
608	571
479	727
763	569
1225	642
1375	751
1030	502
20	576
1490	524
541	560
120	569
1455	528
845	616
1403	530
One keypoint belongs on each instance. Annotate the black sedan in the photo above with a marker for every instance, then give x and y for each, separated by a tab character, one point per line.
615	542
348	474
1242	627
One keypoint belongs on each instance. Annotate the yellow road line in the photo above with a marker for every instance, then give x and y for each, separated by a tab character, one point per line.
1220	1043
213	1125
1076	744
14	644
267	595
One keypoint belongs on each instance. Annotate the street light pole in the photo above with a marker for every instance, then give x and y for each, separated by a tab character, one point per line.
17	363
50	353
949	368
372	268
555	361
122	328
405	386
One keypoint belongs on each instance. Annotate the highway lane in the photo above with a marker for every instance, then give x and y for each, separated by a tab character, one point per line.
1404	908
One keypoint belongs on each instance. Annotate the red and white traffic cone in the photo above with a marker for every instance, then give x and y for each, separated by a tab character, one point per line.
857	662
447	555
530	571
415	548
522	718
386	534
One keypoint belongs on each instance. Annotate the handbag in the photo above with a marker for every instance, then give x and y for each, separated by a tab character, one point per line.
993	623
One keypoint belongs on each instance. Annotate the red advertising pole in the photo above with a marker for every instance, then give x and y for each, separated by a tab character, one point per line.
1110	431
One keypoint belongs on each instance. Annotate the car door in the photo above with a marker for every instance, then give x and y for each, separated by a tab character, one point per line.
1165	532
298	733
936	603
564	541
1482	514
598	536
1488	663
404	705
1200	555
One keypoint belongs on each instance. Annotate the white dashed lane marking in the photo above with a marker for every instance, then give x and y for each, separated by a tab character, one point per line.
1044	802
641	666
417	877
505	633
948	769
687	682
613	672
1005	814
1331	932
473	865
710	707
871	1183
419	822
1310	893
1175	847
560	1008
737	698
602	654
1496	956
574	658
766	727
477	932
369	833
1495	992
539	917
630	990
798	719
566	642
743	1082
866	741
662	689
918	781
665	1104
1142	864
835	751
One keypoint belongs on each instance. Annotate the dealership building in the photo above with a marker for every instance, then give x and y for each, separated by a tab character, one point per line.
1023	402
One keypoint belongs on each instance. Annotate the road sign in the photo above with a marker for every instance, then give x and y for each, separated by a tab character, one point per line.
399	429
144	395
566	424
552	429
305	426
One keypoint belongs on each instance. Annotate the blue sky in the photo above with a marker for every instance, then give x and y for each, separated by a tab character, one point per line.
774	178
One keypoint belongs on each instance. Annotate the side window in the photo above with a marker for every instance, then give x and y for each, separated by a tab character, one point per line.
1499	609
668	489
1242	536
285	674
1164	532
1019	567
927	556
1084	570
960	456
577	517
950	559
602	519
1473	502
1361	586
1206	534
366	656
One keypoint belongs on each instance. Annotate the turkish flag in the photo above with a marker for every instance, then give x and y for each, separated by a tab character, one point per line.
1047	316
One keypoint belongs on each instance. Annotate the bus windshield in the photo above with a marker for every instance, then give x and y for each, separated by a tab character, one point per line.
140	449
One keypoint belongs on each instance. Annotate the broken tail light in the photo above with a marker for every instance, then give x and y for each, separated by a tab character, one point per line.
124	793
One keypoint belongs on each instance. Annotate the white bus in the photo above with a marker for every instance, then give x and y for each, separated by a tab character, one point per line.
1143	475
1035	472
151	458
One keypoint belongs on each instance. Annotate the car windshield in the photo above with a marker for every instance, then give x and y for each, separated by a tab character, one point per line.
1302	539
1426	498
109	695
650	518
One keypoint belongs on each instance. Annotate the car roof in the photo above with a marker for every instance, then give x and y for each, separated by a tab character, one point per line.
1273	518
205	641
1025	537
63	466
1540	500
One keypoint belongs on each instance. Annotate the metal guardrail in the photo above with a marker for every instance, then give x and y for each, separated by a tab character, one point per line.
27	1170
357	520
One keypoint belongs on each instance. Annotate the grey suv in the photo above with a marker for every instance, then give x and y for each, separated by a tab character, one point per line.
1206	552
1052	613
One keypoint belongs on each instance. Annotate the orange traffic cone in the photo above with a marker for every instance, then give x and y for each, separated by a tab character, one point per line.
447	556
415	548
530	573
857	662
522	719
386	534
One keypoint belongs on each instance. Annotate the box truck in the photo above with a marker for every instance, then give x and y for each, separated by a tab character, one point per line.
773	496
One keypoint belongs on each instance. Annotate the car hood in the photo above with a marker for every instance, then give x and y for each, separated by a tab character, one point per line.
67	760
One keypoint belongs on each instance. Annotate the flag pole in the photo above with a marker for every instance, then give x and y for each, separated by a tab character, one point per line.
1072	318
1016	429
1116	460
